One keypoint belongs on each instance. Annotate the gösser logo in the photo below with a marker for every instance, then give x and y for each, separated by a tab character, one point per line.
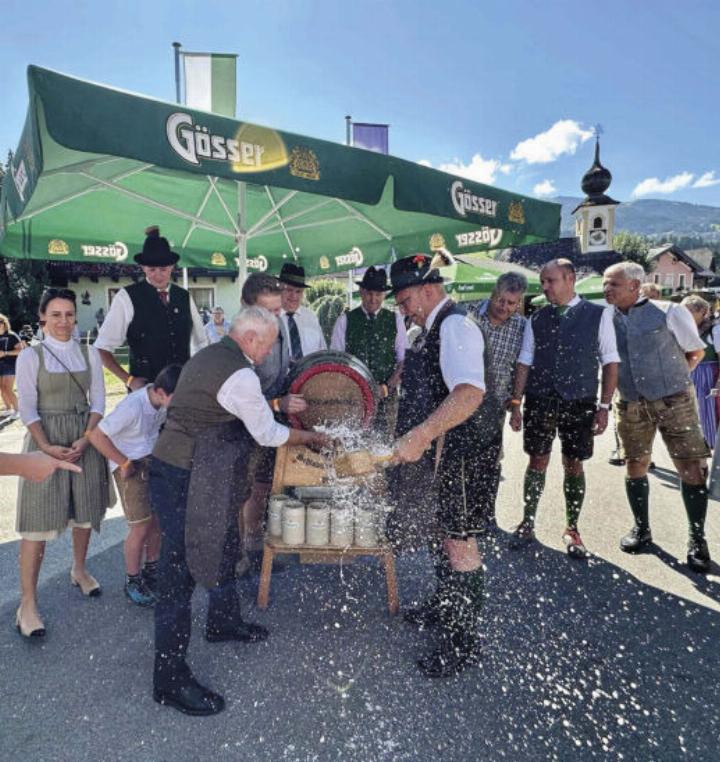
257	263
353	257
195	142
465	201
485	235
117	251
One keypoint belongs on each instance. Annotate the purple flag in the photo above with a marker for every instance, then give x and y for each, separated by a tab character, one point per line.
372	137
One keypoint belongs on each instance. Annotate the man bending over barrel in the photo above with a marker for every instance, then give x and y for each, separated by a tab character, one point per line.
443	385
197	473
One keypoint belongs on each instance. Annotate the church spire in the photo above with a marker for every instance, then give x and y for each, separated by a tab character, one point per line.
597	179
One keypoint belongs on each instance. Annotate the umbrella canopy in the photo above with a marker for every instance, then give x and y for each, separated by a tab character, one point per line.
591	288
96	165
468	282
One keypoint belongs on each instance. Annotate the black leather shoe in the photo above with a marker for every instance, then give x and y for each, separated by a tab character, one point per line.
424	615
636	540
452	657
189	697
245	632
698	556
616	461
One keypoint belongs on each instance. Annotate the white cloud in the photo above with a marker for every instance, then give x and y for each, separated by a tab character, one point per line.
670	185
479	169
545	188
706	180
563	137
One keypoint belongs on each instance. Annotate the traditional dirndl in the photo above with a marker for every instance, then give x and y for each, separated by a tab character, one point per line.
66	496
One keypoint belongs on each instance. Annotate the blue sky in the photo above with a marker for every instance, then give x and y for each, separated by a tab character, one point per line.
506	91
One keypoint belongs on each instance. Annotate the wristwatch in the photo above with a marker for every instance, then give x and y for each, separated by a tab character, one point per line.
605	405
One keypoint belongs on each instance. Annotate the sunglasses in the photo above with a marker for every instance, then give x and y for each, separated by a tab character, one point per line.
59	293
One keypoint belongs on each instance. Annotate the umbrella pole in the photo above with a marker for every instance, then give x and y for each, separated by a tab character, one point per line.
242	234
349	289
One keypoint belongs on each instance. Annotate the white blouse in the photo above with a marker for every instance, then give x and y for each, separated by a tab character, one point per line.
28	365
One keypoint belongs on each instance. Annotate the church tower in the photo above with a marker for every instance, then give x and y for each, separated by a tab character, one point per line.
595	216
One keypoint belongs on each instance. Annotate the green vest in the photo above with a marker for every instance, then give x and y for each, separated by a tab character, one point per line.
373	341
194	407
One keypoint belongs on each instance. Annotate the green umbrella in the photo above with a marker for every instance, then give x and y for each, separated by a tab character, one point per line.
468	282
95	166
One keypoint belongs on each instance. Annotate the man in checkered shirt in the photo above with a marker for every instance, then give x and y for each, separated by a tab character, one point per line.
504	331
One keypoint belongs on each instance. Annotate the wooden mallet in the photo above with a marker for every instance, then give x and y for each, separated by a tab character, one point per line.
360	462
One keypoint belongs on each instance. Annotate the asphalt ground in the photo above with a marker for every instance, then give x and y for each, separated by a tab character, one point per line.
616	657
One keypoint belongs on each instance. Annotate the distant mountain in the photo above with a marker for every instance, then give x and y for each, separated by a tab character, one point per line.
654	218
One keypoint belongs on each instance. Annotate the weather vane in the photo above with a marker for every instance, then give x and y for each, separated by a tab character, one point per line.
598	130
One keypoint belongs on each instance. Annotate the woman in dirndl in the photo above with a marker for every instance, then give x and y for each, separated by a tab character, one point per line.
61	397
705	375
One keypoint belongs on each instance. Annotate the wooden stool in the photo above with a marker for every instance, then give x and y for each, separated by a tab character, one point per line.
326	554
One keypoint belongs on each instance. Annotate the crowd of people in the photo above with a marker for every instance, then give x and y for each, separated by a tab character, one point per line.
192	446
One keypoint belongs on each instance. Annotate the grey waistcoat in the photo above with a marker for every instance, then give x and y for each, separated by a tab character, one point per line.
653	364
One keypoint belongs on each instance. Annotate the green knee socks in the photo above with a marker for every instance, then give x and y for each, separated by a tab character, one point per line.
574	489
534	485
462	601
638	495
695	497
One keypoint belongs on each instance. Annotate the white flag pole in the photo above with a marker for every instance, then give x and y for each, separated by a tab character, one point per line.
177	47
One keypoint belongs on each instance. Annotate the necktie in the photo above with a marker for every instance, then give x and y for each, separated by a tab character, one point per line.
561	309
295	345
164	296
372	316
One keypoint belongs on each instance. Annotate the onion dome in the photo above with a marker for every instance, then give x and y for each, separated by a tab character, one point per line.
597	179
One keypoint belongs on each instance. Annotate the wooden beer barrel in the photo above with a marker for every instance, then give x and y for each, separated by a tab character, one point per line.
338	388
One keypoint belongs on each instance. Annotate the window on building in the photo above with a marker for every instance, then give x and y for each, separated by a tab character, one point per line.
681	280
656	278
597	223
203	297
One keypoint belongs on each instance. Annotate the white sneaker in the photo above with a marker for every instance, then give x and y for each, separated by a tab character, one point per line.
13	415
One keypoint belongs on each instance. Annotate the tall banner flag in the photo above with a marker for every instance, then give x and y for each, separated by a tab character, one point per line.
372	137
211	82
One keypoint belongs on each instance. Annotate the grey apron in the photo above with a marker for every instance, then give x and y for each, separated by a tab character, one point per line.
218	487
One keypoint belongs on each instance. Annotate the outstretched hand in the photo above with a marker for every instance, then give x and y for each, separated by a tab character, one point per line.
38	466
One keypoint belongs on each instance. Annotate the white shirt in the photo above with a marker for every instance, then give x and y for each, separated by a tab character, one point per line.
134	425
241	395
460	340
337	340
113	332
28	365
715	338
680	322
312	338
212	333
607	342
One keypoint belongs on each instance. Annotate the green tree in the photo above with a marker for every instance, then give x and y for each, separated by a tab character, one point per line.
323	287
632	246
